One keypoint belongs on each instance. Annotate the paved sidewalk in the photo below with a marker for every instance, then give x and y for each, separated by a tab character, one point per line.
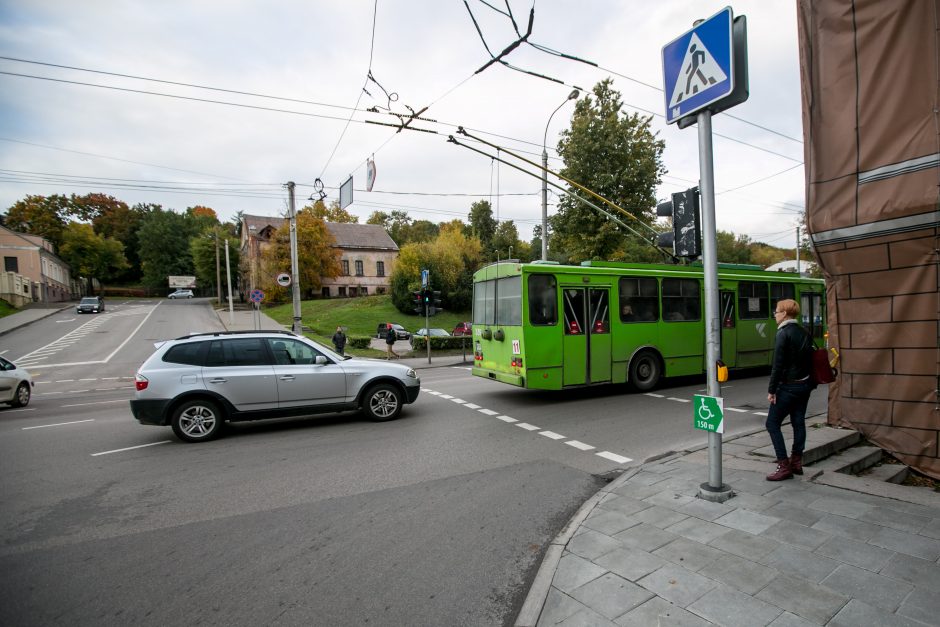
247	320
24	317
646	551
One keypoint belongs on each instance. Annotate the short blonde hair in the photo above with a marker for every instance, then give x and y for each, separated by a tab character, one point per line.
789	306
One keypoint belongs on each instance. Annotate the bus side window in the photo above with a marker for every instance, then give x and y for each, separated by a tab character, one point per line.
681	300
639	299
543	300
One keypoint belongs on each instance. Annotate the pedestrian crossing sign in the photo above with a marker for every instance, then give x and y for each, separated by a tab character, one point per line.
698	66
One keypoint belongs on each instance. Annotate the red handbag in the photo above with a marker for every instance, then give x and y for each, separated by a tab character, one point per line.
822	371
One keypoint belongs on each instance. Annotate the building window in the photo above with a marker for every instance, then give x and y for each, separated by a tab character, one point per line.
379	268
325	292
342	291
345	269
363	290
359	267
380	290
10	264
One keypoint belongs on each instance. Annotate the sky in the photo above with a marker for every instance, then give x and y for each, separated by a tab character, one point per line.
220	103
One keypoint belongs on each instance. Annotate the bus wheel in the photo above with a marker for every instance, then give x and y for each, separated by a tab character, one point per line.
645	371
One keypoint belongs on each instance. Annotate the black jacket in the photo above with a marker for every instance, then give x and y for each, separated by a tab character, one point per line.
339	340
793	356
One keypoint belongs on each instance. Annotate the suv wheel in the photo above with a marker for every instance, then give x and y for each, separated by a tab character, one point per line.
197	421
382	402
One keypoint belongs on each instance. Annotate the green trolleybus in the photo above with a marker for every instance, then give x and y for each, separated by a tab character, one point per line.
548	326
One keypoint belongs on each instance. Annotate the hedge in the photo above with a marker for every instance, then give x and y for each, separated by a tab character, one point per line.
441	343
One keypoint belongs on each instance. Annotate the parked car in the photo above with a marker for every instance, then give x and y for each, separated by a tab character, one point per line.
198	382
181	294
90	304
463	328
432	332
400	332
16	385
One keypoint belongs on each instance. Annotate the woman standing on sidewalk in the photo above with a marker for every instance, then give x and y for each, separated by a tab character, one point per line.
789	388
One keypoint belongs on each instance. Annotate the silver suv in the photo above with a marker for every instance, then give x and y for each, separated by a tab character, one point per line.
196	383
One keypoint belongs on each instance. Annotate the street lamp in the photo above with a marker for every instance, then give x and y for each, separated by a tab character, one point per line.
572	96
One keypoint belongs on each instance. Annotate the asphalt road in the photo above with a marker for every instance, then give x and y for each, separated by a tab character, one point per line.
438	518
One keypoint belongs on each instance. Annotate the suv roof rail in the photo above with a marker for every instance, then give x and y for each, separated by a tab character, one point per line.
217	333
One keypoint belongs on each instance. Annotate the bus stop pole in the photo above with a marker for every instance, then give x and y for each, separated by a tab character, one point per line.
714	489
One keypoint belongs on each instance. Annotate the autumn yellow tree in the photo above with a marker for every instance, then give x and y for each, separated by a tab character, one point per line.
317	257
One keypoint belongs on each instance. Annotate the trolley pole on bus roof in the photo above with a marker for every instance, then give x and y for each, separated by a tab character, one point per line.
705	72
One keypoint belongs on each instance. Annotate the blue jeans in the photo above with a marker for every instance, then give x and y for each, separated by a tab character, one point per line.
792	399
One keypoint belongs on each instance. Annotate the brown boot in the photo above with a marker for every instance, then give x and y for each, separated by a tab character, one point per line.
782	472
796	464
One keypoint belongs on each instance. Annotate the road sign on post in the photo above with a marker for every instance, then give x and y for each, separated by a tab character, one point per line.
283	279
708	413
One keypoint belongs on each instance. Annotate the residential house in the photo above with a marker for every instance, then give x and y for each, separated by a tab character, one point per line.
31	270
368	255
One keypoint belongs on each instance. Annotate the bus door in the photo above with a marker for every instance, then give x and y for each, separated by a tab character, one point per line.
586	344
812	315
729	334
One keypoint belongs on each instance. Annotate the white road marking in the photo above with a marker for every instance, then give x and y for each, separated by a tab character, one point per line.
65	381
66	320
579	445
488	412
472	406
13	411
744	411
58	424
448	396
457	400
97	403
679	400
110	378
461	368
88	379
552	435
4	351
129	448
614	457
655	395
760	413
528	427
506	419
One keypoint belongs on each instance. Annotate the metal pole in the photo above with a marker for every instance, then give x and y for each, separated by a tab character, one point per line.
544	204
427	315
798	273
228	271
297	327
710	263
218	270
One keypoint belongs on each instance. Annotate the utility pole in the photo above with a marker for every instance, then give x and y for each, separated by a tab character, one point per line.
798	273
228	271
297	327
218	271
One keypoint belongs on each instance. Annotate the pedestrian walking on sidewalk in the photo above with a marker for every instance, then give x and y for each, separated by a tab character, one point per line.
390	337
789	389
339	340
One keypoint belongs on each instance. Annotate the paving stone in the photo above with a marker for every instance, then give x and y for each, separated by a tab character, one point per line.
625	505
922	573
557	607
856	553
796	513
750	522
676	584
698	530
745	544
923	604
800	493
609	522
683	485
744	575
670	499
902	521
706	510
732	608
862	584
807	600
659	516
688	554
662	613
846	527
857	613
645	537
932	529
794	561
647	478
797	534
574	571
590	544
840	506
908	543
791	620
752	502
630	563
636	490
755	483
611	595
586	618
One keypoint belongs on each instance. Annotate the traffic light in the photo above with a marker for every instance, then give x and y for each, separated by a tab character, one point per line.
435	301
686	236
418	302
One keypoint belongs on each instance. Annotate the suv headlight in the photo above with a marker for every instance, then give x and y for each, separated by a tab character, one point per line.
411	373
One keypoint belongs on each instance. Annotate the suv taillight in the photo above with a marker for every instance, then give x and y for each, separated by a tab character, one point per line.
141	382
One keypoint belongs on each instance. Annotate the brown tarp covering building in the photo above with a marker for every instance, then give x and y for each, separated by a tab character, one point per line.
872	151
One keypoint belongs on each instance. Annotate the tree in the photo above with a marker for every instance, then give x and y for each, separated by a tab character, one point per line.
482	225
164	246
733	249
40	215
119	222
90	255
88	207
616	156
204	248
396	224
316	256
331	214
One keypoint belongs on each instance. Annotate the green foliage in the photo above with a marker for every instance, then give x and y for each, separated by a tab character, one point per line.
618	157
333	213
40	215
204	249
91	255
6	308
164	246
733	249
402	229
482	225
122	223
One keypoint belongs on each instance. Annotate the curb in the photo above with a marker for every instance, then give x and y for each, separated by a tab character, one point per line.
29	322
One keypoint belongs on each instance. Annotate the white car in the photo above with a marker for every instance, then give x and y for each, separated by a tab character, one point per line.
181	294
16	386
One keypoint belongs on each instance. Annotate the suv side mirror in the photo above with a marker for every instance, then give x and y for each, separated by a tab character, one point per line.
321	360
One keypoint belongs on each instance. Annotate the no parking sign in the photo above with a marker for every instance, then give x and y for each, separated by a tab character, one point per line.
257	296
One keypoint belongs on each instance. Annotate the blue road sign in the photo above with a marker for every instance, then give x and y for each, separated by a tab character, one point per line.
424	278
698	66
256	296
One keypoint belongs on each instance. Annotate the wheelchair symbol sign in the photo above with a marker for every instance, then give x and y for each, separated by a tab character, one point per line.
708	413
